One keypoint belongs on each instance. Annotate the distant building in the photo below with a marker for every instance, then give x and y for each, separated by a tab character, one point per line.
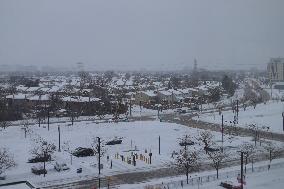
275	69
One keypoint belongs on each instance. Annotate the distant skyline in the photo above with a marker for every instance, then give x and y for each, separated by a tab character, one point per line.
141	34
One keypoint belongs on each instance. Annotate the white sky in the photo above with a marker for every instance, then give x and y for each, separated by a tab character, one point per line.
135	34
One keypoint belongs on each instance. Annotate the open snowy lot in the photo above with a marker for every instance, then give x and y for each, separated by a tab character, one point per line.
139	137
264	115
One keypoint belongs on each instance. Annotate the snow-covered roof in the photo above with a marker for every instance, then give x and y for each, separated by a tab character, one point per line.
54	89
19	96
175	92
32	89
166	93
149	93
79	99
38	97
193	89
44	89
21	88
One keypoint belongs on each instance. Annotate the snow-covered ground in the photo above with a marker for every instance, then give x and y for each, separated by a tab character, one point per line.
261	178
264	115
142	135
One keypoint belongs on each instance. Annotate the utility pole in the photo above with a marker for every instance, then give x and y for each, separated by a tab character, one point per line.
99	151
130	111
48	118
59	139
159	145
283	119
222	131
44	154
237	111
222	128
242	162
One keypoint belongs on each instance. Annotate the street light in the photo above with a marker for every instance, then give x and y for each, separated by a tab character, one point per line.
242	164
283	119
99	151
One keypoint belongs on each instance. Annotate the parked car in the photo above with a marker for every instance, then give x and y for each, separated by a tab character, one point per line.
38	170
209	149
39	159
60	166
229	185
79	170
124	119
114	141
83	152
2	177
186	143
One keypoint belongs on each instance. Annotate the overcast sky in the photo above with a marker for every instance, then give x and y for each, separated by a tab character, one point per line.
135	34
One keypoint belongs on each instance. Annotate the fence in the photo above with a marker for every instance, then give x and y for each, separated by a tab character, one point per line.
177	184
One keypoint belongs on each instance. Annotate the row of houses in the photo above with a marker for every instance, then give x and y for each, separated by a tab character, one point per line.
166	96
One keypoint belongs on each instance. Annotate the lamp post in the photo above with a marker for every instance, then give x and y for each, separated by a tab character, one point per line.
242	169
59	149
242	163
159	145
283	119
222	131
99	152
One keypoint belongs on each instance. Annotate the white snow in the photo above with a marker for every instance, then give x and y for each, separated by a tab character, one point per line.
260	179
264	115
142	134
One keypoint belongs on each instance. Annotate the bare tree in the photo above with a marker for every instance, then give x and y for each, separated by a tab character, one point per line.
249	152
4	115
6	160
185	141
206	138
188	161
4	124
273	150
25	126
43	148
95	146
217	157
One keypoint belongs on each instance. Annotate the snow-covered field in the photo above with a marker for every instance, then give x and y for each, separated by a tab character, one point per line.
262	178
142	135
264	115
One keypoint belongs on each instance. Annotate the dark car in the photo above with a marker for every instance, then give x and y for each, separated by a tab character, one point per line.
229	185
209	149
83	152
186	143
114	142
38	170
39	159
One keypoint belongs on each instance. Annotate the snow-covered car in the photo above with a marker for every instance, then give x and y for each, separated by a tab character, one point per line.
123	119
38	170
2	177
39	159
114	141
230	185
83	152
186	143
211	149
60	166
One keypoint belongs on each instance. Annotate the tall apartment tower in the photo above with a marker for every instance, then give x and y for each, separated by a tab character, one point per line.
275	69
195	65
